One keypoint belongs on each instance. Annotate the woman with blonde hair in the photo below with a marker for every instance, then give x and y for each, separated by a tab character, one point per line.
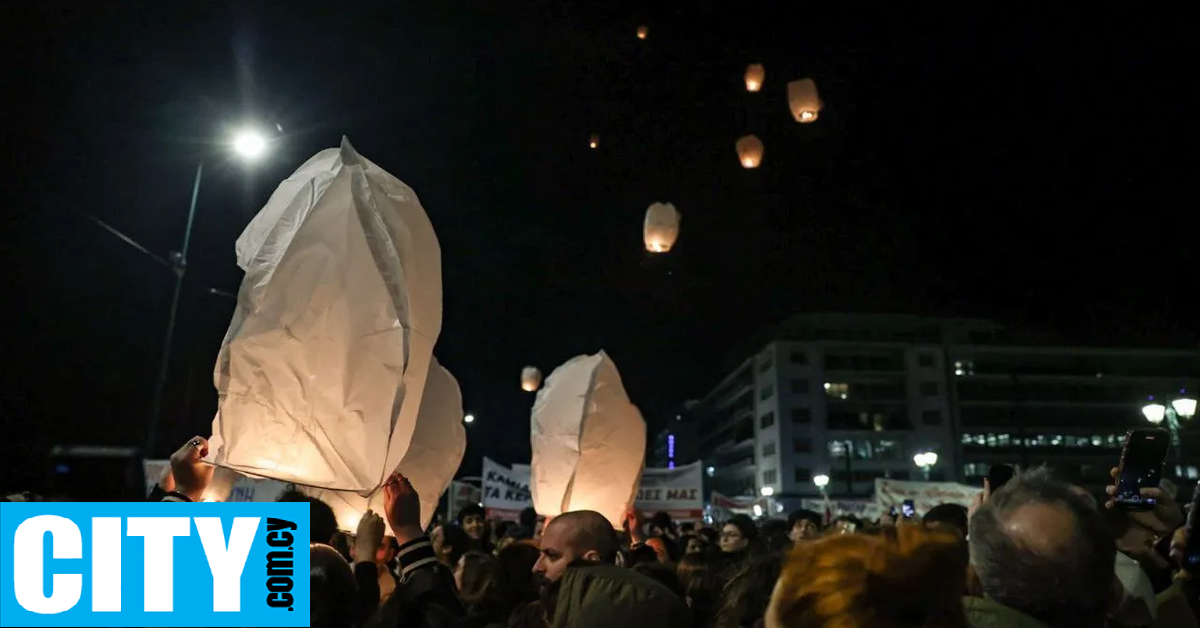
904	577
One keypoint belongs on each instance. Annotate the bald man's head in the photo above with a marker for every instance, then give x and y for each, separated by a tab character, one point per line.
1040	547
582	535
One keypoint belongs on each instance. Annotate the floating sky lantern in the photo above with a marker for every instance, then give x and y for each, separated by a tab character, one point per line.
804	100
750	151
661	227
755	75
531	378
588	441
594	140
316	293
642	32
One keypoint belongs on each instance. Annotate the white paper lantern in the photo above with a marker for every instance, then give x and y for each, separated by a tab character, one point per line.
321	374
531	378
594	141
589	441
643	32
661	227
755	75
433	456
750	151
804	100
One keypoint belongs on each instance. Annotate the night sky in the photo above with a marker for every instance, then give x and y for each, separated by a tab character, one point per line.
1031	167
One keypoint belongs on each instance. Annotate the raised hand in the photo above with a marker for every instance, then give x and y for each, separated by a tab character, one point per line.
191	475
402	506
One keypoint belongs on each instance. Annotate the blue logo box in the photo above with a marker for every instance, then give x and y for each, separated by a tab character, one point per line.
153	564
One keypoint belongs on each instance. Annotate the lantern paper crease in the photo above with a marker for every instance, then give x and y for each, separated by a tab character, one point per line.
321	374
661	227
438	442
588	441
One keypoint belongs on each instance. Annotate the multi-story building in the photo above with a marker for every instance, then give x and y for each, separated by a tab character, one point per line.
1066	407
854	397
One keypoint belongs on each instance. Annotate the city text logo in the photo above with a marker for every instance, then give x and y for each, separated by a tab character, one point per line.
154	564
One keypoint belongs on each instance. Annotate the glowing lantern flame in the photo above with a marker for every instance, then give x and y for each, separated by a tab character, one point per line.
643	31
661	227
804	100
531	378
594	141
755	75
750	151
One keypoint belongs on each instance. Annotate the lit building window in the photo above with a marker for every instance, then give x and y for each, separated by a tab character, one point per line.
964	368
837	390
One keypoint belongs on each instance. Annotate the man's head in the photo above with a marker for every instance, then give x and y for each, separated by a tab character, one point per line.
528	518
323	522
1038	547
582	535
951	517
471	520
662	525
803	525
737	534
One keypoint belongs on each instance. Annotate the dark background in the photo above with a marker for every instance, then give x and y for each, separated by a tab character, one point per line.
1032	164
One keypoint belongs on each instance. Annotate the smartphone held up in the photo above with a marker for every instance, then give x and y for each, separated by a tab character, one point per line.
1141	467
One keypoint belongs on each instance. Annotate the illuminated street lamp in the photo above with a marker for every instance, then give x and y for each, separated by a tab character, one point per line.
250	145
470	418
925	460
821	481
1181	408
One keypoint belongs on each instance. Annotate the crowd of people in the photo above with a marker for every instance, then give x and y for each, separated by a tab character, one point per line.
1036	553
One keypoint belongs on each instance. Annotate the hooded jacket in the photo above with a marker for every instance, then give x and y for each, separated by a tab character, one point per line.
607	596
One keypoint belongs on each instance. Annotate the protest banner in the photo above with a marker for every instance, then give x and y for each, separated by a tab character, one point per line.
925	495
677	492
505	491
227	485
725	506
867	510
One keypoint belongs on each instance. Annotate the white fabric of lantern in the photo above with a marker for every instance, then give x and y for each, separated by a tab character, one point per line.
589	441
804	100
433	456
661	227
321	374
756	74
750	151
531	378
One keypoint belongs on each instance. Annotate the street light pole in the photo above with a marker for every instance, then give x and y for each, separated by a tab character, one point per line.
1184	407
180	268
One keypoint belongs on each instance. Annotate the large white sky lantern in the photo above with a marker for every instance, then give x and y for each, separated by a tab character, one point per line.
531	378
321	375
804	100
434	454
755	75
661	227
588	441
750	151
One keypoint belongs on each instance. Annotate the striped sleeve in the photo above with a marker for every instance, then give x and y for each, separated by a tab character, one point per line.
414	555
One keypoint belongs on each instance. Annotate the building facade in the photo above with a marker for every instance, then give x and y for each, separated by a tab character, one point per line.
854	397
